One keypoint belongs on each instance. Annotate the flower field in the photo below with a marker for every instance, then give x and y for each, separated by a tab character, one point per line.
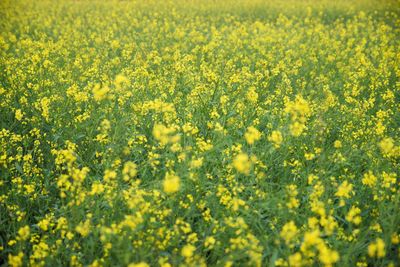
199	133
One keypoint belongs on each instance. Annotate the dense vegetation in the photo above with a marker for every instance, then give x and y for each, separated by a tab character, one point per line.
193	133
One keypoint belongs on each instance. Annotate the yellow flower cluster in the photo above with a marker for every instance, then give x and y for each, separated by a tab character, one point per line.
171	183
242	163
299	111
252	135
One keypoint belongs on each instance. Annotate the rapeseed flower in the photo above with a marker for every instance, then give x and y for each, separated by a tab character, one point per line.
377	248
252	135
171	183
242	163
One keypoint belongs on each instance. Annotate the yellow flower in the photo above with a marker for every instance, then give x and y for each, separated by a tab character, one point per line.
289	232
353	215
388	179
292	191
24	233
380	128
395	239
140	264
310	239
327	256
15	261
171	183
196	163
311	178
252	95
129	170
19	114
83	228
209	242
369	179
344	190
387	145
100	93
337	144
121	80
97	188
295	260
165	135
377	249
276	138
242	163
69	235
187	251
297	128
252	135
309	156
105	125
109	175
298	109
44	224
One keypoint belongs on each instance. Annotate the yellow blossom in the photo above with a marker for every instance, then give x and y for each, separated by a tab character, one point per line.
129	170
44	224
19	114
140	264
295	260
187	251
242	163
252	135
100	93
353	215
165	135
252	95
276	138
23	233
83	228
369	179
109	175
209	242
387	145
377	248
297	128
171	183
15	261
327	256
337	144
344	190
289	232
